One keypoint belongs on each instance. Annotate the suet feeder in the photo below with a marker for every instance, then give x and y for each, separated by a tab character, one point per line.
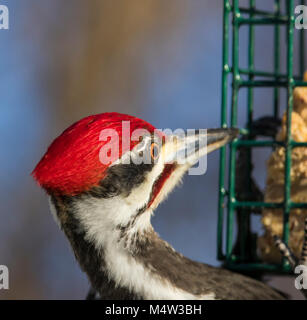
241	254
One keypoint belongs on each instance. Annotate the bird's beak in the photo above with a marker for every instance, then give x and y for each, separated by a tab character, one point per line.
189	147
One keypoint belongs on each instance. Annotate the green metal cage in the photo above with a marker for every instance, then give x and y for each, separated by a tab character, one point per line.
236	17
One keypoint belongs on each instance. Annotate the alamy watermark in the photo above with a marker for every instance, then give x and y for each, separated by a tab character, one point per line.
139	146
4	277
301	280
301	19
4	17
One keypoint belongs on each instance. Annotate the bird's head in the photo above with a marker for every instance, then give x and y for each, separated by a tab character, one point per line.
114	169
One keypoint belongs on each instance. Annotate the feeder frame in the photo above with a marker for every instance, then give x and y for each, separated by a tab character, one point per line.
227	202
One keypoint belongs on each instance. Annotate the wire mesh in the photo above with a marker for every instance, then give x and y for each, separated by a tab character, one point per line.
234	18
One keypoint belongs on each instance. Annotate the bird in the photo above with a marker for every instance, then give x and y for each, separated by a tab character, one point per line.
103	199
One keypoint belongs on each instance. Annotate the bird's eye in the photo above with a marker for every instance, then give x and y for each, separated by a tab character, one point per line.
154	151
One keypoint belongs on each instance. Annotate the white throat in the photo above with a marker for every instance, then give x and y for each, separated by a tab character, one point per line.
121	266
102	220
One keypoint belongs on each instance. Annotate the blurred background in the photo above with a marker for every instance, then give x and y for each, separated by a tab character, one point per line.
63	60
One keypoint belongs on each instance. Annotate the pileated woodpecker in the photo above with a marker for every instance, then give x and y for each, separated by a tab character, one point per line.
105	210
